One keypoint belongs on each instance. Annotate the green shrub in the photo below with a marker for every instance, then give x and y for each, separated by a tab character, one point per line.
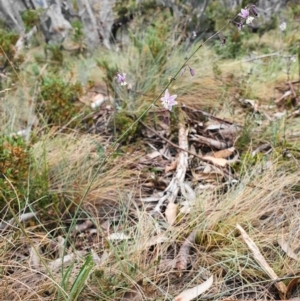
54	53
78	34
19	181
8	57
31	18
58	99
14	167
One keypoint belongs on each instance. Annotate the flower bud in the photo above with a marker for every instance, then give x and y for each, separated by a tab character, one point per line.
253	10
192	71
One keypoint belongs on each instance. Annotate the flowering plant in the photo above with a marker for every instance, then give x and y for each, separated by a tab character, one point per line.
246	16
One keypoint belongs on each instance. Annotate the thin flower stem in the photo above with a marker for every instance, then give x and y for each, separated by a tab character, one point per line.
115	115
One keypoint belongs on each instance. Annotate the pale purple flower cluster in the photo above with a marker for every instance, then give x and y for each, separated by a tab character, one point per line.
245	16
121	79
168	101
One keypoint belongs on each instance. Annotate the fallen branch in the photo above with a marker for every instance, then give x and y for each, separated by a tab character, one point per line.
67	259
182	257
84	226
210	116
172	190
262	262
285	95
210	142
22	218
180	148
292	89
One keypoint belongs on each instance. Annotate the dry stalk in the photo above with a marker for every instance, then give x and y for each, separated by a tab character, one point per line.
262	262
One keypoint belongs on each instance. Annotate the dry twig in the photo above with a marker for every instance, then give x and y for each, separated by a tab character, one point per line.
172	190
184	251
206	159
261	261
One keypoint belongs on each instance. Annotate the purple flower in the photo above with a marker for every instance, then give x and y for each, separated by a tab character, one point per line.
254	10
244	13
168	101
192	71
121	77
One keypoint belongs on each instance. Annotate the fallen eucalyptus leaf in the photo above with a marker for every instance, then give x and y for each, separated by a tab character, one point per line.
287	249
194	292
171	213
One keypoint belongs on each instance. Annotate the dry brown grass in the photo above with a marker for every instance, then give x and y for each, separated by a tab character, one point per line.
268	210
264	202
74	160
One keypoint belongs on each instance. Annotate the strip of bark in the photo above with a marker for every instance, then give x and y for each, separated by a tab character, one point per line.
184	251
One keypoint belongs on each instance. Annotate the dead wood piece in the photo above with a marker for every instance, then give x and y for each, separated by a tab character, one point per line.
205	158
66	260
182	257
230	132
170	142
210	116
22	218
294	114
172	190
151	199
285	95
292	89
261	148
211	142
84	226
262	262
